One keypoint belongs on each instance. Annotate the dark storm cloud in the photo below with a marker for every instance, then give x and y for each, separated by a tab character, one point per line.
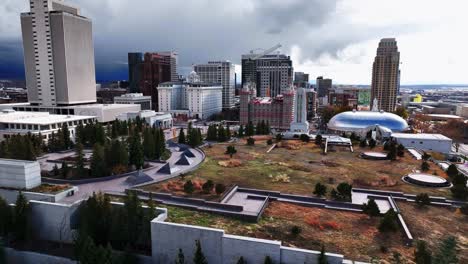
202	30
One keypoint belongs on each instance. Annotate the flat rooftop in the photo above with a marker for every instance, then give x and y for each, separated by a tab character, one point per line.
15	162
420	136
37	118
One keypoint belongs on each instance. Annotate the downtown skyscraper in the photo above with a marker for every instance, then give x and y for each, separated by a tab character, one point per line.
58	54
219	72
386	75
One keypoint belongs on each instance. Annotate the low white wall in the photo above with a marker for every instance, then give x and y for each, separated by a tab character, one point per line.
11	195
21	174
218	247
52	221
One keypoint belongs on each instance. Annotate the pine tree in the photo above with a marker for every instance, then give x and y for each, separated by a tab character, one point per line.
371	208
136	152
198	257
228	132
389	222
21	213
160	143
6	218
250	129
425	166
400	150
182	139
97	166
64	170
240	133
422	199
318	140
66	137
55	170
250	141
392	151
188	187
421	254
268	260
80	163
149	146
320	189
452	171
221	134
180	257
447	252
231	150
208	186
241	261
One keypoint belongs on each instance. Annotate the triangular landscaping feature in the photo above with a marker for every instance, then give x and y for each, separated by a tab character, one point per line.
138	177
188	153
166	169
184	160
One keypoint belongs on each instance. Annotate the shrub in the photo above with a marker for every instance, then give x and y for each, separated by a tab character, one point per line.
208	186
422	255
425	166
231	150
372	143
295	230
279	137
342	192
426	156
250	141
220	188
371	208
363	143
304	138
464	209
422	199
389	222
452	170
400	150
318	140
320	189
188	187
331	225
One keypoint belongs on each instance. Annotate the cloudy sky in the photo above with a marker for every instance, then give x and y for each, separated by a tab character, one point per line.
334	38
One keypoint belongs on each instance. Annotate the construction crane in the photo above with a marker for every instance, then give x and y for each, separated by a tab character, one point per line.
268	51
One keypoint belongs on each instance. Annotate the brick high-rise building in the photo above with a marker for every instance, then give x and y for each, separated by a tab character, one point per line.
155	69
277	111
386	75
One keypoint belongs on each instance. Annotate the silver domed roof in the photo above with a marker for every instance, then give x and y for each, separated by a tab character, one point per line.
358	120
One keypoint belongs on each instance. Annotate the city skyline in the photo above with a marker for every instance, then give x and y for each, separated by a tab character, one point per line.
344	50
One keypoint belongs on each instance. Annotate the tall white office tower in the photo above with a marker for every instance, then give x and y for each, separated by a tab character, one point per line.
300	123
58	54
219	72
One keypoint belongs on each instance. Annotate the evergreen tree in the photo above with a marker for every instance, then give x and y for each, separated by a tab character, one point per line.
342	192
389	222
198	257
220	188
422	199
258	128
250	141
268	260
65	171
94	217
250	130
136	156
240	133
231	150
304	138
221	134
459	189
97	166
363	143
318	140
392	151
320	189
371	208
160	143
267	128
322	259
67	143
400	150
228	132
80	162
188	187
208	186
452	171
241	261
100	134
180	257
133	213
422	255
447	252
6	218
149	145
55	170
21	223
425	166
426	156
372	143
182	139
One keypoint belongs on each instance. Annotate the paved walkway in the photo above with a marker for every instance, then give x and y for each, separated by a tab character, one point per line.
120	184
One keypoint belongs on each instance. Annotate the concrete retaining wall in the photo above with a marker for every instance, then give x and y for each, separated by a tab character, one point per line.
11	195
219	247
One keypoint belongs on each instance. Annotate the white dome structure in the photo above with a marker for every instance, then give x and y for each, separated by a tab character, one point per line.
356	121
